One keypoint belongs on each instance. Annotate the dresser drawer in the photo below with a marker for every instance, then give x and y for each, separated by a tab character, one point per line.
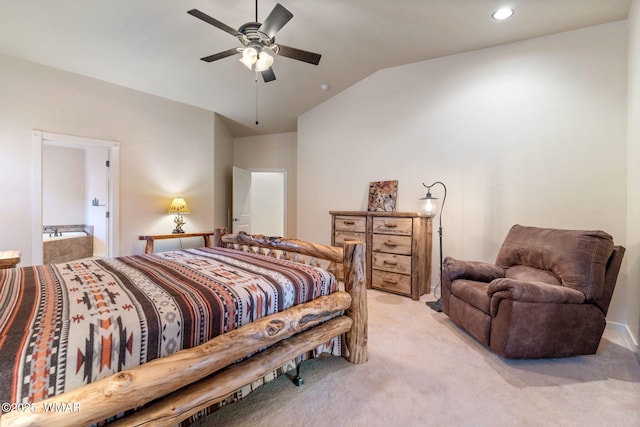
341	236
400	226
391	244
394	282
390	262
351	223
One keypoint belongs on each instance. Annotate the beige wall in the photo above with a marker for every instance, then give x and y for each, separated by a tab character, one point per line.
532	132
166	149
633	178
276	151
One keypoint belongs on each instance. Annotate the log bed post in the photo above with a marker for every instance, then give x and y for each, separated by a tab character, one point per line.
218	232
355	284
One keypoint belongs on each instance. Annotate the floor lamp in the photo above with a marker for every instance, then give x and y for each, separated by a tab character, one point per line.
429	208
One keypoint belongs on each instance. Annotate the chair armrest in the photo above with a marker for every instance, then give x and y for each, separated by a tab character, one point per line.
471	270
536	292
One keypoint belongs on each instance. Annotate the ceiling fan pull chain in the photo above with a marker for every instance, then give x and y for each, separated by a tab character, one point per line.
257	95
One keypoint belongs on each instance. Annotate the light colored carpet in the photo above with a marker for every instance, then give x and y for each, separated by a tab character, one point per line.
425	371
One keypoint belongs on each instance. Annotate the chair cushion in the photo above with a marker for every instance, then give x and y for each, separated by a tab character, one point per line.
578	258
473	293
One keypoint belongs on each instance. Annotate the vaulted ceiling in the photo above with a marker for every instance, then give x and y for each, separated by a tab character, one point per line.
154	46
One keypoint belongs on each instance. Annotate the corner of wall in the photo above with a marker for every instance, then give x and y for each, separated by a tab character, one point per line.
633	175
222	164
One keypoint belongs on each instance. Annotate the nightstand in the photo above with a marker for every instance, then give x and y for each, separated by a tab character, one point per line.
152	238
9	259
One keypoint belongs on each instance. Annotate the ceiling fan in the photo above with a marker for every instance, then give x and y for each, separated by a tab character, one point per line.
258	42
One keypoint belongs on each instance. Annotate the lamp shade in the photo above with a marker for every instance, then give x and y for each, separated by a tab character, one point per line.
249	56
429	205
264	61
178	205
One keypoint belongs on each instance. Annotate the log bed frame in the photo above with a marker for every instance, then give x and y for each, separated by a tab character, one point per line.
190	380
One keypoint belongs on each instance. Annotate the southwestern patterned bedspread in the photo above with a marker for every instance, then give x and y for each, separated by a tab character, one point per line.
65	325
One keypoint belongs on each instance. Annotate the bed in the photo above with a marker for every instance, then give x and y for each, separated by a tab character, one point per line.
160	337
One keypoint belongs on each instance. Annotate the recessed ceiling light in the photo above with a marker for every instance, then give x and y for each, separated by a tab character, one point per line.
503	13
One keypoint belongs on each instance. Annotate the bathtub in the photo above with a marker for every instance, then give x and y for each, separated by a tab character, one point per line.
47	237
64	243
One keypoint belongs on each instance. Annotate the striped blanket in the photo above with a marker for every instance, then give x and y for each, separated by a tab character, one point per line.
65	325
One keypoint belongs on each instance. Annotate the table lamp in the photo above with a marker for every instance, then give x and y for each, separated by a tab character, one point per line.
179	207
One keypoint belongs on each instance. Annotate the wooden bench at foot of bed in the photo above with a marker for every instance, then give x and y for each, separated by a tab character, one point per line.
192	379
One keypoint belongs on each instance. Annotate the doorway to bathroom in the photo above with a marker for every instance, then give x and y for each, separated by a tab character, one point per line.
75	197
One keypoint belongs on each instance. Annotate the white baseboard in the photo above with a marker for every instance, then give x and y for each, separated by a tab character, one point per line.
624	330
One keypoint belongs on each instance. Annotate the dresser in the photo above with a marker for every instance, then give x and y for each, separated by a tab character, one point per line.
398	248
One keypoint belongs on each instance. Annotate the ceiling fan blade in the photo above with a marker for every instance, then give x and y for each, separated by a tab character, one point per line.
268	75
206	18
220	55
278	17
299	54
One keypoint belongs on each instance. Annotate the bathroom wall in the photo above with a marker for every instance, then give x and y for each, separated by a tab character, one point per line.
63	185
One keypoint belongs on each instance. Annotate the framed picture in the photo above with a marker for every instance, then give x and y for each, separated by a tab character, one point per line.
382	196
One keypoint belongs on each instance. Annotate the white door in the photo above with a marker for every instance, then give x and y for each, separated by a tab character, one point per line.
241	200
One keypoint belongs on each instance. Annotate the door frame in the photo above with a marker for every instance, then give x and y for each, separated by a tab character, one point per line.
38	139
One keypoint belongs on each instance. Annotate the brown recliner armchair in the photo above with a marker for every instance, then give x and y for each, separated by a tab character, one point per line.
547	294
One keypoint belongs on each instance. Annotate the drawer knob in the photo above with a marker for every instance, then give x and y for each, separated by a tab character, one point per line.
349	222
387	262
390	225
390	281
390	244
